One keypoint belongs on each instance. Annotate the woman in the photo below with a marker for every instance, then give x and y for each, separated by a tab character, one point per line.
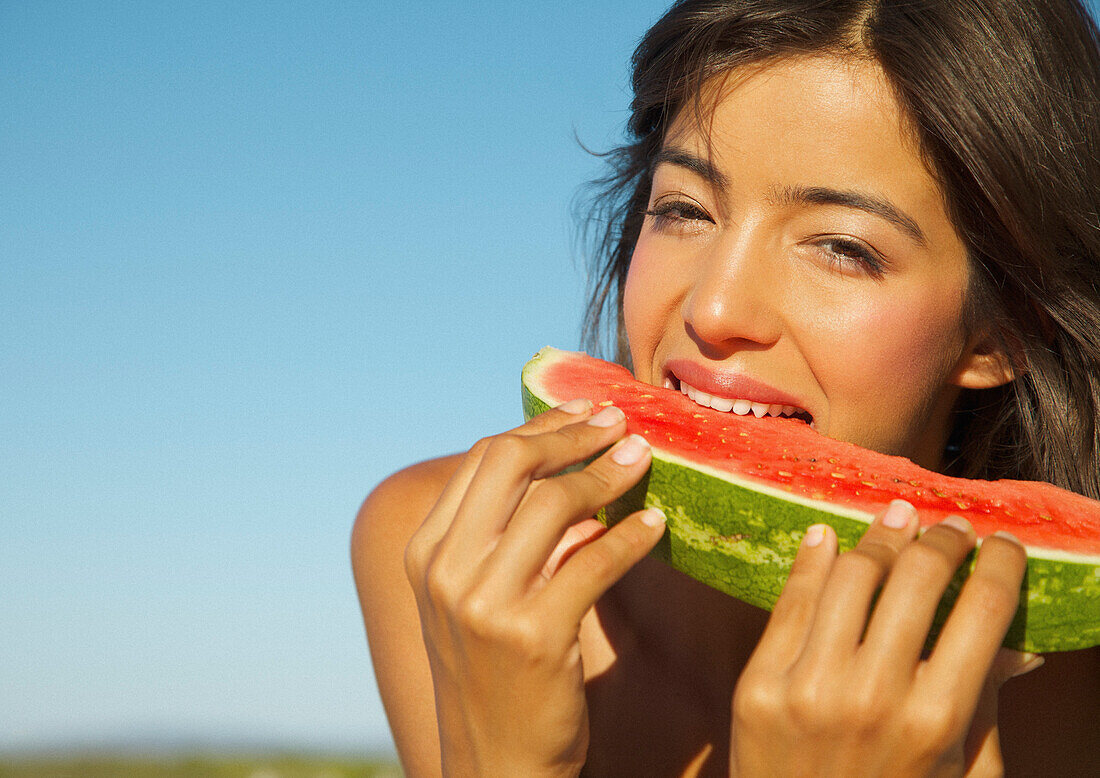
884	213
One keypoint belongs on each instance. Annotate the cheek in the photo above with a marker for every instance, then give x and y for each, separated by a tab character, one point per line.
903	350
647	300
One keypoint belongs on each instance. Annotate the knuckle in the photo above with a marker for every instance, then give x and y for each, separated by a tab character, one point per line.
926	563
926	559
879	550
477	451
553	495
416	557
935	725
439	586
629	541
476	615
755	702
527	637
861	562
864	710
599	559
601	477
807	704
508	448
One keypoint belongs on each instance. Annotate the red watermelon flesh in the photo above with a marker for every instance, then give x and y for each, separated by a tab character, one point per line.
740	491
789	455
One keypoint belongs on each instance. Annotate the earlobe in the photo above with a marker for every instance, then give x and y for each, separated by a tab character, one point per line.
987	364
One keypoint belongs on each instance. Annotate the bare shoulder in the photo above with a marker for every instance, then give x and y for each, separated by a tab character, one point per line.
387	519
397	506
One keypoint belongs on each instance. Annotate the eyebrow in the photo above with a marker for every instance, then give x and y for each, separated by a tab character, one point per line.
872	204
703	168
800	195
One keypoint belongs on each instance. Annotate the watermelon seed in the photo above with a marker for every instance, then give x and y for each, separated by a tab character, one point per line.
837	475
785	474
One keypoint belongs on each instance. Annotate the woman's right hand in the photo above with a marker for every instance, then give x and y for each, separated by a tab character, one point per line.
504	568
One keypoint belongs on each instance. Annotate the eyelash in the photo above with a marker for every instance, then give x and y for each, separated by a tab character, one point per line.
852	252
677	215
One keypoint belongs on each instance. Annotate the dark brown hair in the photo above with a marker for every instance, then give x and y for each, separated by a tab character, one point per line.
1004	96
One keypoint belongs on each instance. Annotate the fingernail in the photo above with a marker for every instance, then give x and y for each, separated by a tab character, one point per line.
653	517
898	514
814	535
608	417
1007	536
630	450
1034	662
958	523
577	406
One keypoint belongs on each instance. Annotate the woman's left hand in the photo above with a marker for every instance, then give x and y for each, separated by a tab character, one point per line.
836	689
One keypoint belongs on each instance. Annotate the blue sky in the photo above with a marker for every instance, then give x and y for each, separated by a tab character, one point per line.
255	256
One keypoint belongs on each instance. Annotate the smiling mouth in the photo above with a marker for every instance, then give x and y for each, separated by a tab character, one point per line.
741	407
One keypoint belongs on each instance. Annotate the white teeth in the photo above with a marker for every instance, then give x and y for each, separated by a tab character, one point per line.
740	407
668	383
721	404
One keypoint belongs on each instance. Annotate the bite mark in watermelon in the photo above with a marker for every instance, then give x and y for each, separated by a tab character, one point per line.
739	492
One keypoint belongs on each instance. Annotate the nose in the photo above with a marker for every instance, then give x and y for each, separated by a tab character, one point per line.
736	296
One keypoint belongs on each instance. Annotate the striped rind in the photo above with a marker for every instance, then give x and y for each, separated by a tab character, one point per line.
741	537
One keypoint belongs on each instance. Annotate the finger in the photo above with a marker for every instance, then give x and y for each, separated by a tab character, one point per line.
789	624
439	518
555	503
846	599
907	606
510	464
592	570
977	625
576	536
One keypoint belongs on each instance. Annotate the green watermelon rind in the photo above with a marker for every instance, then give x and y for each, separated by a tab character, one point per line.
741	540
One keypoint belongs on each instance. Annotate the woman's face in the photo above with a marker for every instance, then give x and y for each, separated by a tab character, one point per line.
804	257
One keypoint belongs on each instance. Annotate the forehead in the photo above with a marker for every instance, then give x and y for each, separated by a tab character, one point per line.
813	121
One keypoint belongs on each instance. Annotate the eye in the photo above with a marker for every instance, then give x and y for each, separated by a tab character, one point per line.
850	255
678	216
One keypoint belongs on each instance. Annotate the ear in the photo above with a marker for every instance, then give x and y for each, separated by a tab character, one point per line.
986	363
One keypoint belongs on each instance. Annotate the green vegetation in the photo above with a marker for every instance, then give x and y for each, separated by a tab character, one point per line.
106	766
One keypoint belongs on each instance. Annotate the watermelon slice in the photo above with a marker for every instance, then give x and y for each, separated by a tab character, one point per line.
739	492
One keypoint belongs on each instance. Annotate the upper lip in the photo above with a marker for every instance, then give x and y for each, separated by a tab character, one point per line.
729	384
